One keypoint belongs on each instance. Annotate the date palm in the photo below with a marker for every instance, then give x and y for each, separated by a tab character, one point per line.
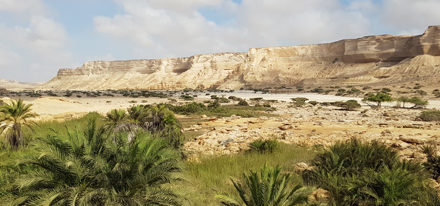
269	187
13	117
89	168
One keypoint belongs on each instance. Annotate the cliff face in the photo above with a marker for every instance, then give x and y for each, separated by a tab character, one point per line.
367	60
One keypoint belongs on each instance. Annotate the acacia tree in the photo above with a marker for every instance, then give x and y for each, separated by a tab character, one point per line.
13	117
416	101
378	98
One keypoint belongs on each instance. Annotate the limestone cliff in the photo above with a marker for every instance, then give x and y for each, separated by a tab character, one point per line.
367	60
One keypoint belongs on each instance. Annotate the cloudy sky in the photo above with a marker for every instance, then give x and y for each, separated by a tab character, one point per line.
37	37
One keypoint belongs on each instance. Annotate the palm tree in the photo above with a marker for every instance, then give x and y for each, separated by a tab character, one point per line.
267	188
116	117
13	117
88	168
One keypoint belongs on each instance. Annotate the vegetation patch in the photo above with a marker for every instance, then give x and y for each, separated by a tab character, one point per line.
430	115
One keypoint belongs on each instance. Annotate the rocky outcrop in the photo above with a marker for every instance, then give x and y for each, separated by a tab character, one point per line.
367	60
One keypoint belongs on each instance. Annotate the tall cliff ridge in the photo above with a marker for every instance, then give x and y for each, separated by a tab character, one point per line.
383	59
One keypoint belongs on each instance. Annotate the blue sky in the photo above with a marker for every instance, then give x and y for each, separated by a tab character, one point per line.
37	37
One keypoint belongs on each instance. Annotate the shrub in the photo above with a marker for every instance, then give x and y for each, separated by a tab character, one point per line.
313	103
299	101
430	115
358	173
349	105
318	90
223	100
432	163
263	146
385	90
267	187
243	103
214	104
256	99
187	97
97	167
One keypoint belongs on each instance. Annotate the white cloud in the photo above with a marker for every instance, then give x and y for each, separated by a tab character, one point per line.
35	49
157	28
411	16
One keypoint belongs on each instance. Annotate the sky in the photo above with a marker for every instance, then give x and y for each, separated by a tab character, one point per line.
37	37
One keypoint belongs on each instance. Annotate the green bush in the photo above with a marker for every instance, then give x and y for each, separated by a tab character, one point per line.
187	97
214	104
432	163
263	146
158	120
96	167
299	101
269	187
430	115
349	105
243	102
358	173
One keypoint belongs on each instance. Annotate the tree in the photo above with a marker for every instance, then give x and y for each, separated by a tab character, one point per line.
269	187
89	168
13	117
404	100
158	120
418	103
378	98
116	117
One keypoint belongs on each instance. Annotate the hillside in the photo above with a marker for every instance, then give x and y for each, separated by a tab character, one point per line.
16	86
370	60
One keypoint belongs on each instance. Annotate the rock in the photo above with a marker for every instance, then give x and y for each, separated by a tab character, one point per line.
319	195
411	140
233	70
285	127
386	132
301	167
400	145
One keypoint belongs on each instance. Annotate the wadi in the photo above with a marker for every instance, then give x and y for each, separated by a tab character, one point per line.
353	122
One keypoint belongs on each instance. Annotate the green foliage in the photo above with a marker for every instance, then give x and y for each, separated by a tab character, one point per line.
215	109
378	98
432	163
243	102
116	117
97	167
357	173
214	104
349	105
416	101
430	115
263	145
187	97
269	187
210	175
13	117
299	101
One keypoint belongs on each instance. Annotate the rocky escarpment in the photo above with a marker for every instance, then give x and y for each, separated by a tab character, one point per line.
380	59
